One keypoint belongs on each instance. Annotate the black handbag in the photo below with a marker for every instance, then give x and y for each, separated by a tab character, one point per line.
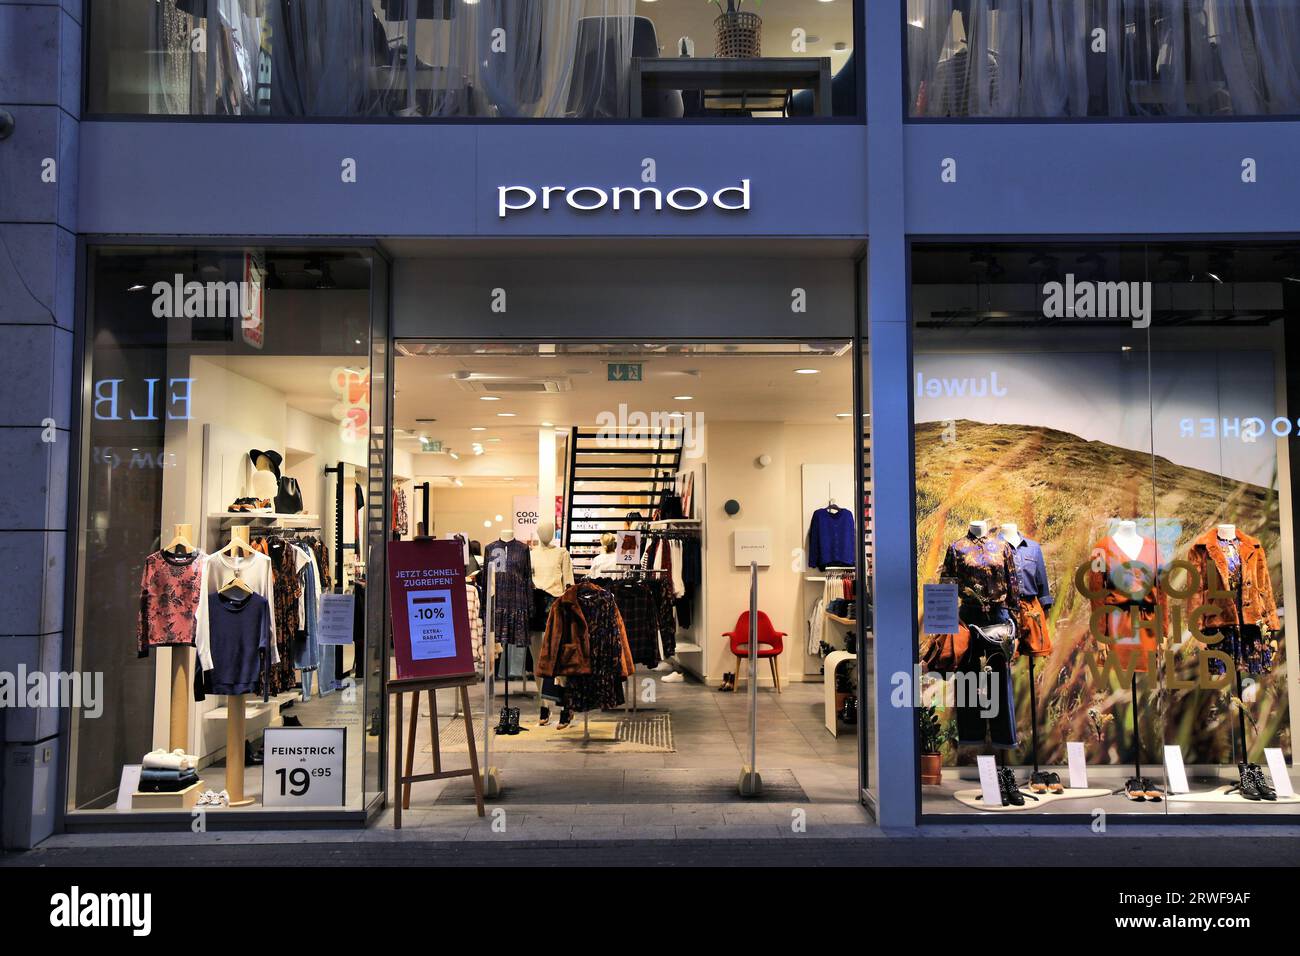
288	499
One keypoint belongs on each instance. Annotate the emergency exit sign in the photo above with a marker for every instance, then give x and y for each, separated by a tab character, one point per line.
624	371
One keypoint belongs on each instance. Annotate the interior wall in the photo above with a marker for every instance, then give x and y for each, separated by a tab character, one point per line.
770	498
465	509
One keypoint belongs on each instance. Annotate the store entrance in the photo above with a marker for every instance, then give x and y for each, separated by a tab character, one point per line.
635	483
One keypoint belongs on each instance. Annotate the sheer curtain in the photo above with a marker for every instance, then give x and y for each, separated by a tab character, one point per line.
1043	58
445	58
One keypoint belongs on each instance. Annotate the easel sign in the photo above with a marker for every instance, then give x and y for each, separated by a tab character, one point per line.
430	610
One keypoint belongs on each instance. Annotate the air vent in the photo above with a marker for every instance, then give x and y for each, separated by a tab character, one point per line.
507	385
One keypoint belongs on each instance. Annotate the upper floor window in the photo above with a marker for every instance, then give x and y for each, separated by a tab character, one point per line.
1105	58
474	59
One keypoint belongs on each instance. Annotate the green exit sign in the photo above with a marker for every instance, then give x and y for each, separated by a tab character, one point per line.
624	371
428	445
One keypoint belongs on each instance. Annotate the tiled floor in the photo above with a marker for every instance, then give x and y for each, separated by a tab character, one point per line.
810	778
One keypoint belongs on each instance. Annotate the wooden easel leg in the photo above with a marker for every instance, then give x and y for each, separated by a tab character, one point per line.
397	767
433	730
473	751
410	749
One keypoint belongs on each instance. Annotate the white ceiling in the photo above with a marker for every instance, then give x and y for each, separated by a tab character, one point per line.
731	383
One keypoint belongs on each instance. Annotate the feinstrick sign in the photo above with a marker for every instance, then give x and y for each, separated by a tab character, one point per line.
618	198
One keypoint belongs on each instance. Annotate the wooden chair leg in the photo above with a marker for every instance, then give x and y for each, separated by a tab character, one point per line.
736	683
776	677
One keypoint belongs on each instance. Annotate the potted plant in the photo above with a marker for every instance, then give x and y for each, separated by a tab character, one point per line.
934	734
737	33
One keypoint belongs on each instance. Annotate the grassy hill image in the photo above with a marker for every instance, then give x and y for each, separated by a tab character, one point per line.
1064	492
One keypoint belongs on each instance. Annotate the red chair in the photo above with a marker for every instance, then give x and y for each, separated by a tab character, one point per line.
770	644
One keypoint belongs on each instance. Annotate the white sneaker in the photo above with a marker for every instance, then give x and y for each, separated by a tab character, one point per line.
676	677
664	666
222	799
208	798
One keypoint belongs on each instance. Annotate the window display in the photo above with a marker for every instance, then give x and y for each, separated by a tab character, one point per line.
1102	441
225	415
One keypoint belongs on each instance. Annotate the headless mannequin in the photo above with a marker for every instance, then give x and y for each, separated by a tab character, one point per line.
235	707
182	661
1011	535
1228	532
506	535
979	529
1128	539
1131	543
545	541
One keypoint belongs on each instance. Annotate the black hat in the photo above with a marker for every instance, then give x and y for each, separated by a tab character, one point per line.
273	456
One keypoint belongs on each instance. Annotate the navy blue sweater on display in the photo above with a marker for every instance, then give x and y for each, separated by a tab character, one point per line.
831	539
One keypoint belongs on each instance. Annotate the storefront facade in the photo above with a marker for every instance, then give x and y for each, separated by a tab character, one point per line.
931	238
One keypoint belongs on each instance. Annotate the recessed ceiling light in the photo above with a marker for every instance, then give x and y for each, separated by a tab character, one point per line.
136	288
489	398
807	371
478	428
493	439
843	414
487	524
548	424
505	414
458	483
499	518
454	456
683	398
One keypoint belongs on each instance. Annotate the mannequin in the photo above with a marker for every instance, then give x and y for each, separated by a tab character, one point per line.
182	661
1129	541
513	598
235	705
1237	589
983	568
1033	633
552	576
1133	567
265	482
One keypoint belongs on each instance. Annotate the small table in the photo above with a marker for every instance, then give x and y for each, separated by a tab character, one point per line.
733	75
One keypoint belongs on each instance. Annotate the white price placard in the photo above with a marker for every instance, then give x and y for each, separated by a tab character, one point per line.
939	609
1276	761
989	781
1175	772
429	615
304	766
1074	752
336	619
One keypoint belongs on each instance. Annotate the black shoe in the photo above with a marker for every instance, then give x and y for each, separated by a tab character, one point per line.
503	721
1253	786
1011	795
292	721
252	758
566	718
544	716
1038	781
1135	790
1152	791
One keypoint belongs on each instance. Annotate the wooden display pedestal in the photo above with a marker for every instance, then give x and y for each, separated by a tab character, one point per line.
180	800
402	781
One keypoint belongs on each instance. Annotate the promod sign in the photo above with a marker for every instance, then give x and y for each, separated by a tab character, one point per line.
618	198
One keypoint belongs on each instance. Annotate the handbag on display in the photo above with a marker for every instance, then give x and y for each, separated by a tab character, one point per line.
994	638
670	506
288	500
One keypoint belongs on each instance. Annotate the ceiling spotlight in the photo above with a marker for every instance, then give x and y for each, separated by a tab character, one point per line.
487	524
489	398
454	456
136	288
499	518
478	428
505	414
548	424
458	483
683	398
807	371
843	414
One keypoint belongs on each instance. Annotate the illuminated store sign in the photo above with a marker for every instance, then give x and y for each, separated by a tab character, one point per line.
618	198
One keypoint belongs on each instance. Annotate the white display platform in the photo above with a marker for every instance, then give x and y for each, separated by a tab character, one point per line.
971	798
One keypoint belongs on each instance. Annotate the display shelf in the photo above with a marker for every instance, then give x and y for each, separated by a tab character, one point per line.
261	516
670	522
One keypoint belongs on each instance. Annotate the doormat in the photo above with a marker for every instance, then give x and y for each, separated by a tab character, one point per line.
542	785
648	734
